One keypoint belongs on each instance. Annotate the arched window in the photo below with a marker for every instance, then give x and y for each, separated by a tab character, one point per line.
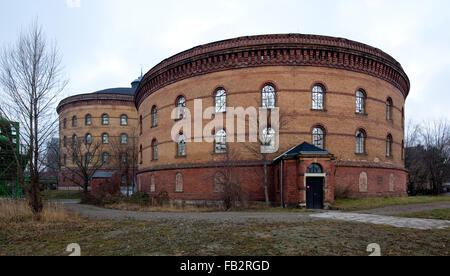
221	141
141	156
154	116
403	117
124	120
181	107
314	169
105	158
221	100
319	137
88	120
74	139
65	141
360	141
105	138
88	158
181	146
318	98
389	109
389	146
88	139
65	123
360	102
140	125
268	138
268	96
179	183
123	158
74	121
65	160
105	119
124	139
152	184
154	150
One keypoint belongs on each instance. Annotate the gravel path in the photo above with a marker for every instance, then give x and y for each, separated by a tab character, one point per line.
408	209
245	217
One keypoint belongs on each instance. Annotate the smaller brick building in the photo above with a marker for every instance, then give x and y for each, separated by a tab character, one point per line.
305	175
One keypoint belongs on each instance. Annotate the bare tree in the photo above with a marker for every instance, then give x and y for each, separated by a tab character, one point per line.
52	159
227	181
267	140
436	140
125	157
427	155
31	76
87	158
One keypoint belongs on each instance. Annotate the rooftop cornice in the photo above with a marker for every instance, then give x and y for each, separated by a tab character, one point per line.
93	97
274	50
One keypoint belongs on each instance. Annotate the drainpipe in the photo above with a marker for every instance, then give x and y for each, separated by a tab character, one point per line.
282	183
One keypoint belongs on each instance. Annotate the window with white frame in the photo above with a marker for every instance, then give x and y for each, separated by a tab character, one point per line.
124	120
389	109
105	119
105	138
88	139
124	139
268	97
318	98
389	146
360	142
221	141
181	108
360	102
221	100
319	137
154	116
181	151
268	138
179	183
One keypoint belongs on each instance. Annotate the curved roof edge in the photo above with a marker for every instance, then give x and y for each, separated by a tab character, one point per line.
294	50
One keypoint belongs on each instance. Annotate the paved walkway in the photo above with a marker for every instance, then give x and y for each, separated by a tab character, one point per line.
413	223
408	209
244	217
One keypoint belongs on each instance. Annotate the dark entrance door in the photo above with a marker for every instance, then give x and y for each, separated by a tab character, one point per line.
314	193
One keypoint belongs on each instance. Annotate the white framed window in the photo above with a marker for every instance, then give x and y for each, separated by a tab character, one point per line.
124	120
268	138
88	120
221	101
360	142
389	146
318	98
105	157
124	139
268	97
360	102
181	151
105	138
221	141
389	109
181	108
319	137
105	119
88	139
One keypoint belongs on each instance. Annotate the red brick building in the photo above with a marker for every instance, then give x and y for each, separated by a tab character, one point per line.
347	99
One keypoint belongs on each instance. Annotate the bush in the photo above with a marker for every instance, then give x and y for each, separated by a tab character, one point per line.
161	199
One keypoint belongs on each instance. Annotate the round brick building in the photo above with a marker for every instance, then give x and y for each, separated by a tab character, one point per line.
344	136
105	119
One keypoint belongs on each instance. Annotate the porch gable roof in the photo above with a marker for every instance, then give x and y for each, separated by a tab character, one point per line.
302	149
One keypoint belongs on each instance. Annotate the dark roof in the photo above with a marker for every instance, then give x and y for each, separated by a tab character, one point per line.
121	91
103	175
305	149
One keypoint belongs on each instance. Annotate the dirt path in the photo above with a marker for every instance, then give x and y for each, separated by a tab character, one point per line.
408	209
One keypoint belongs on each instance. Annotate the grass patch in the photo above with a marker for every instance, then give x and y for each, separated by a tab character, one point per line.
373	203
307	237
18	211
443	214
55	195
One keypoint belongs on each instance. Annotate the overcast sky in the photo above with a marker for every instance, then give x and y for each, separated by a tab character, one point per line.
105	43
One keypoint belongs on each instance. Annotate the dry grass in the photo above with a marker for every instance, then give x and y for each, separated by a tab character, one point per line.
379	202
16	211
